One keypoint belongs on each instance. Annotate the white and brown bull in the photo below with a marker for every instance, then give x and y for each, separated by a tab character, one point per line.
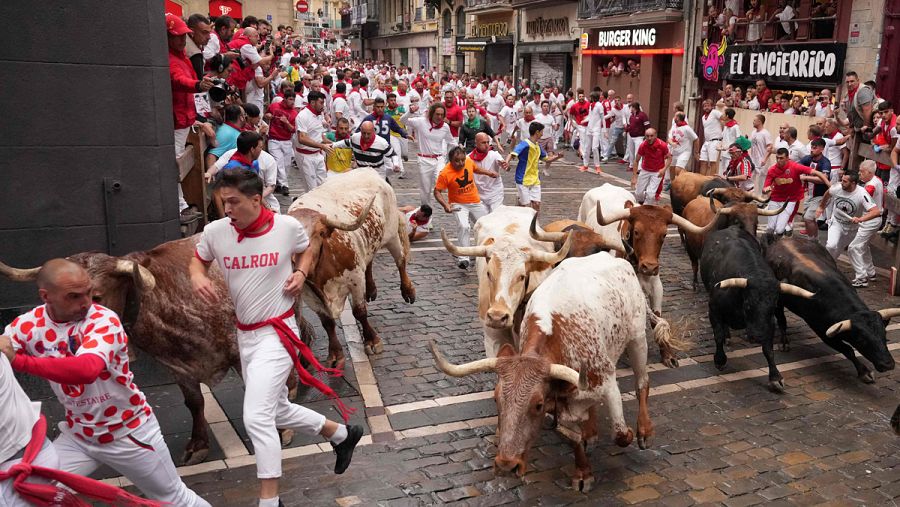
612	213
152	292
348	219
510	266
571	342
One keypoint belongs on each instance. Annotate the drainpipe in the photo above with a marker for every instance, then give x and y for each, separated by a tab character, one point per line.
689	83
515	58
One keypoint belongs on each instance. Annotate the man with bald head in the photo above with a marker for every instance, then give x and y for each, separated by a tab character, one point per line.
370	150
488	182
651	157
82	349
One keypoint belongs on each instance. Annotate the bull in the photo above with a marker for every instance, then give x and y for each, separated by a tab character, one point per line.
510	266
584	240
610	211
191	338
743	293
687	186
837	315
345	248
739	210
566	366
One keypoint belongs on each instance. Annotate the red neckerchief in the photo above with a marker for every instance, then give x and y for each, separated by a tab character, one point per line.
265	218
831	135
313	110
526	118
706	115
735	161
243	159
46	495
680	123
852	93
730	123
402	94
339	96
364	145
436	126
413	220
473	86
493	93
477	156
354	90
232	125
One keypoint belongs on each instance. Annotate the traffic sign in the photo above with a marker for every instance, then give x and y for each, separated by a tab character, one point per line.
302	6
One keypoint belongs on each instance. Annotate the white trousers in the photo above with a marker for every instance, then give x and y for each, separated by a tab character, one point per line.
779	223
724	160
494	121
429	168
396	160
649	184
590	145
839	237
283	153
312	167
266	365
893	183
463	213
148	466
181	136
632	147
859	251
492	203
47	458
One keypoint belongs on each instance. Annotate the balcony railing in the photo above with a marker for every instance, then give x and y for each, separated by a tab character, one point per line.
484	4
810	22
597	8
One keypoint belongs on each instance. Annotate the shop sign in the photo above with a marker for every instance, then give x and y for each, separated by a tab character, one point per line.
447	46
781	63
632	37
490	30
540	27
584	40
470	46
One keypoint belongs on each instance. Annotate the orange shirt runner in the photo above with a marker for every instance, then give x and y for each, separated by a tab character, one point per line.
460	185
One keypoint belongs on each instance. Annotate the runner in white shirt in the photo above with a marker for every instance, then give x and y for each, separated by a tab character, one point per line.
254	249
682	142
852	207
590	145
712	136
760	143
493	104
340	107
730	132
834	148
508	118
355	99
489	189
434	138
310	136
268	172
82	350
858	250
253	93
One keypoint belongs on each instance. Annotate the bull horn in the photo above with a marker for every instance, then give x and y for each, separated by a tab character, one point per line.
793	290
463	251
621	214
712	204
19	275
771	212
146	278
564	373
889	313
838	327
553	258
463	370
351	226
739	283
763	198
688	226
715	192
542	235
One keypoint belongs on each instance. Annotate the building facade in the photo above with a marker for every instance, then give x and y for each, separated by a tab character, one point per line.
635	48
547	52
490	38
452	29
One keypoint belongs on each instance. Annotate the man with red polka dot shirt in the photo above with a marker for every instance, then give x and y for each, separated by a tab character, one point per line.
82	349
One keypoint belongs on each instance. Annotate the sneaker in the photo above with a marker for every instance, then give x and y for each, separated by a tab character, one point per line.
462	264
887	229
344	450
598	170
583	168
402	176
788	233
872	277
545	173
860	283
604	159
622	161
285	191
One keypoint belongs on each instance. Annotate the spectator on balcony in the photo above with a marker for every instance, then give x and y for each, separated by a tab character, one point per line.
714	31
764	94
780	103
823	28
795	106
785	13
727	22
823	107
752	101
755	18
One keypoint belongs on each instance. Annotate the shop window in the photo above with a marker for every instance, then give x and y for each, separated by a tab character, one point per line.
430	11
460	22
446	24
755	21
620	66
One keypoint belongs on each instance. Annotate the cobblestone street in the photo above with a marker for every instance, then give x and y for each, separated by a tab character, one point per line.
720	437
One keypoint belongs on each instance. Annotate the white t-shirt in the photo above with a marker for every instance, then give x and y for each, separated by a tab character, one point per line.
357	109
432	141
547	120
877	190
833	151
489	188
255	269
268	171
253	93
311	124
854	204
340	105
595	117
412	225
759	143
523	125
712	128
494	104
212	46
107	409
822	111
729	135
509	116
249	53
18	415
684	136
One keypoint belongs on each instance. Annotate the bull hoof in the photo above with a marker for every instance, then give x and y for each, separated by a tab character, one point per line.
624	439
287	436
777	386
374	348
583	484
644	441
784	347
670	361
336	362
895	420
371	295
194	457
721	366
867	377
409	294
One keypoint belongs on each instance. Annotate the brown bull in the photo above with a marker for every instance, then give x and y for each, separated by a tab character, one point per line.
152	292
686	187
739	209
584	240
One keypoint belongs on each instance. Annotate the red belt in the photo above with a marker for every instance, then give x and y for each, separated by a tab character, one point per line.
308	152
428	156
495	114
294	345
46	495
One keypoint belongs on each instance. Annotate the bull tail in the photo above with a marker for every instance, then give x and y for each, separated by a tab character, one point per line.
404	238
895	421
663	334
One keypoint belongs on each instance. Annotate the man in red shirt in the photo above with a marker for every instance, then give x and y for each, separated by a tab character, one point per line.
784	183
578	113
281	132
184	85
763	94
651	158
454	116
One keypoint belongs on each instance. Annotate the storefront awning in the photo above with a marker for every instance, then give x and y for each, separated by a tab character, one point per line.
547	47
470	46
